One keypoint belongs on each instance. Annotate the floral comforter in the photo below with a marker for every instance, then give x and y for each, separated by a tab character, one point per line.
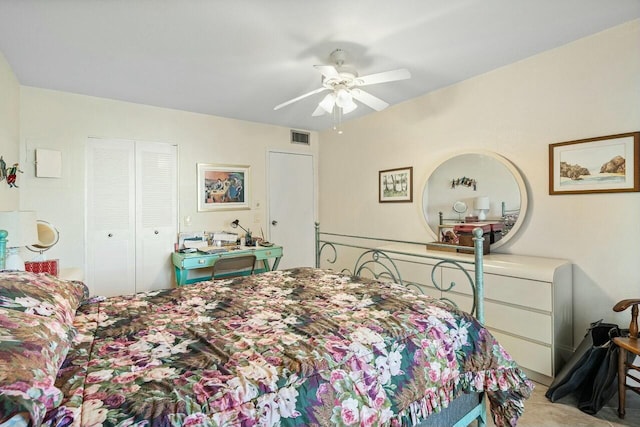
299	347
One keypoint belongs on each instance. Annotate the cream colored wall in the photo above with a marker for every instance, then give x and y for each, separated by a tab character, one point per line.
63	121
9	130
584	89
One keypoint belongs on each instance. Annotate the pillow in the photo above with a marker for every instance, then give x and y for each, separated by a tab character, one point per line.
41	294
32	349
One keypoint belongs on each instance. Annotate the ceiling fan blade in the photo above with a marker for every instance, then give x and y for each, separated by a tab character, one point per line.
291	101
386	76
369	100
328	71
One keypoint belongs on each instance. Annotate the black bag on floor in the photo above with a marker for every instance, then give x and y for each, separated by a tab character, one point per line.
588	372
601	384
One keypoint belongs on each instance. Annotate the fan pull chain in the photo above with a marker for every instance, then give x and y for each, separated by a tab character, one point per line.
337	119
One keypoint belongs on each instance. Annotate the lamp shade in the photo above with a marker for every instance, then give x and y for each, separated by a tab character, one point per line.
328	102
21	227
344	100
481	203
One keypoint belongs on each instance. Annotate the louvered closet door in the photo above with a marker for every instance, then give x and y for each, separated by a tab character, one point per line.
156	214
110	178
131	215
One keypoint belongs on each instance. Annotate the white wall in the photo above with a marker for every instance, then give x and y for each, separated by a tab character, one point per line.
9	130
63	121
585	89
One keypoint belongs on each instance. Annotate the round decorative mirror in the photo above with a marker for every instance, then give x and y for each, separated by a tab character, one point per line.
460	207
48	236
481	184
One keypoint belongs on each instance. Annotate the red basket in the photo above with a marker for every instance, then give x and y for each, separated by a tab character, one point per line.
49	266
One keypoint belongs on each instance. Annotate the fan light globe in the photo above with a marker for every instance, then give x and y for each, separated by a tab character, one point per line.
327	103
344	100
349	107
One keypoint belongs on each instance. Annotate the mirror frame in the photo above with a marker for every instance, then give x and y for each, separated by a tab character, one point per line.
524	199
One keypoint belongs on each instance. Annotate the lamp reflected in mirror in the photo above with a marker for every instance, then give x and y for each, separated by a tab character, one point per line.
481	204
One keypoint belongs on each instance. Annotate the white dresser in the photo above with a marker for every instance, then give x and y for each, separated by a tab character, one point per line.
528	301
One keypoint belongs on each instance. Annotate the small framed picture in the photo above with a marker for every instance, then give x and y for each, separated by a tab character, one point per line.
447	234
395	185
606	164
223	187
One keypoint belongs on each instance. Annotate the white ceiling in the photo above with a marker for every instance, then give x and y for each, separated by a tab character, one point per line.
239	59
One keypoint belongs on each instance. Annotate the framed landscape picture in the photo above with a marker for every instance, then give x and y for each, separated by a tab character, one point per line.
223	187
605	164
395	185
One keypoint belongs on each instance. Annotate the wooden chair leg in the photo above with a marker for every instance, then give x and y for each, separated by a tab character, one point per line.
622	379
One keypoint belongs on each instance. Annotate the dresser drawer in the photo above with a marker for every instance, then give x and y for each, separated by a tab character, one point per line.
198	262
530	324
512	290
530	355
272	252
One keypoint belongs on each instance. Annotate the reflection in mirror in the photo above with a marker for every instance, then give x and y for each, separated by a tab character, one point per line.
487	183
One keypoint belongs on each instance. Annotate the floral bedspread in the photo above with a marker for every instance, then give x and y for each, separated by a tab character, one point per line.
301	347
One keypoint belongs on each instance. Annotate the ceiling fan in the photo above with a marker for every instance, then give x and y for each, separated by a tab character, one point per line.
344	85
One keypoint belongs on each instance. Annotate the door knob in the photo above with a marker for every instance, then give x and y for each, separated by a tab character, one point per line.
274	222
110	235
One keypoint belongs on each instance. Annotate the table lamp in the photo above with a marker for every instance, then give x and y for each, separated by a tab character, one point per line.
236	224
22	231
481	204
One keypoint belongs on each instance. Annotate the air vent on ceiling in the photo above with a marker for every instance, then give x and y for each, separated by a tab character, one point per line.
298	137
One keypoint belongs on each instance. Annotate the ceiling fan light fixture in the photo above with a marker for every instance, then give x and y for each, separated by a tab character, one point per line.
328	102
349	107
344	100
343	83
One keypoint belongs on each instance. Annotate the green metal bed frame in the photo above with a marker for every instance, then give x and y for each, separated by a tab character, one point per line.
378	262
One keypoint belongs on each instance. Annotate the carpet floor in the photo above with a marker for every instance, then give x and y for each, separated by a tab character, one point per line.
540	412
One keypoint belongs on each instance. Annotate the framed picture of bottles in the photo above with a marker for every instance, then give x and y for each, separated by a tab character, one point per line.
395	185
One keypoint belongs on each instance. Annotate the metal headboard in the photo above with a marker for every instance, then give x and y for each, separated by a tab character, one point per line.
379	263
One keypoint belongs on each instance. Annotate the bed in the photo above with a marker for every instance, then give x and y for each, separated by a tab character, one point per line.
297	347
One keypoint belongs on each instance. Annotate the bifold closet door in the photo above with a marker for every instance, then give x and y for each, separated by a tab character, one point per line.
131	215
156	214
111	207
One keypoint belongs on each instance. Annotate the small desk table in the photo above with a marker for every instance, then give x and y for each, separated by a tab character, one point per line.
183	263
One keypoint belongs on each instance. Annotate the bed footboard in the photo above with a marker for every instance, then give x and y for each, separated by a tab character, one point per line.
375	257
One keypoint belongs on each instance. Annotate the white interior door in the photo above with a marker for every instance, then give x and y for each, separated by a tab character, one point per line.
156	214
292	207
110	173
